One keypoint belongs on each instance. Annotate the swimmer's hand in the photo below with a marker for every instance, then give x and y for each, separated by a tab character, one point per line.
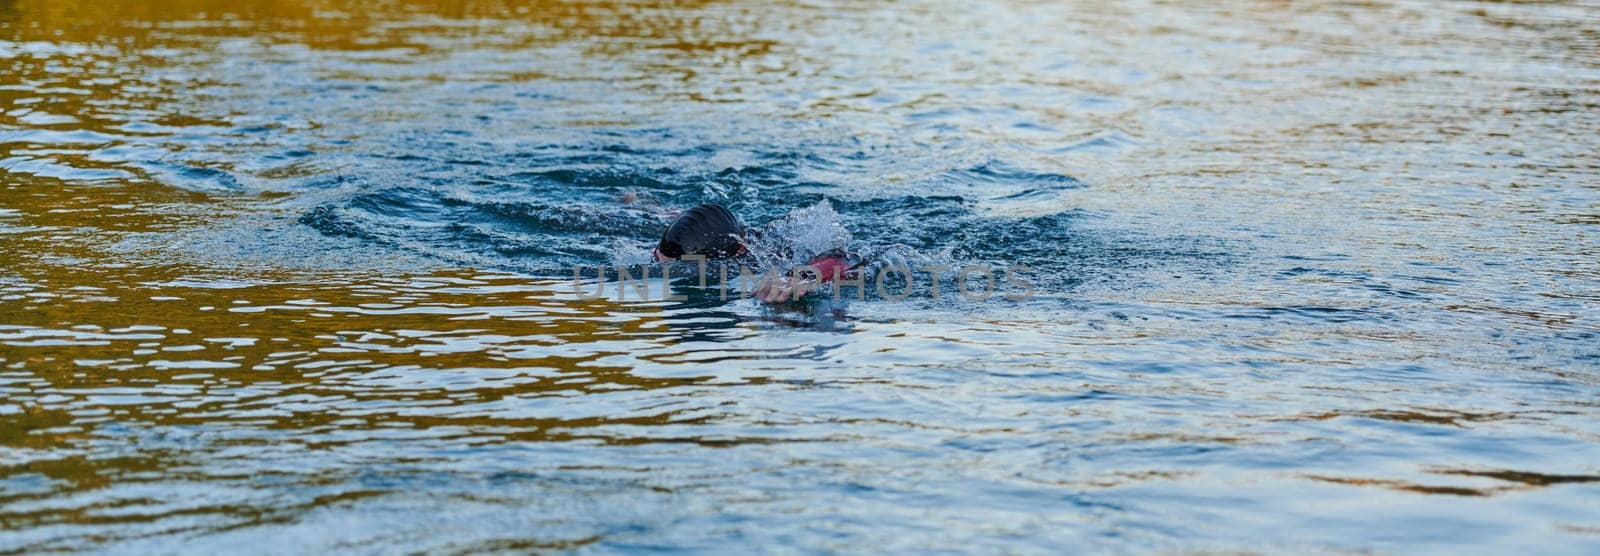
786	289
805	279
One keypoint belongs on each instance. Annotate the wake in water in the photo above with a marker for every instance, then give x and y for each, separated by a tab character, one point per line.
548	222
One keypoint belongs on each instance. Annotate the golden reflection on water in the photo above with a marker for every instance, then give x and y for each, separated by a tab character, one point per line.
345	25
256	327
97	330
91	335
303	356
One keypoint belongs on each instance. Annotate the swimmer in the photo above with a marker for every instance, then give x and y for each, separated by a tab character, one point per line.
712	232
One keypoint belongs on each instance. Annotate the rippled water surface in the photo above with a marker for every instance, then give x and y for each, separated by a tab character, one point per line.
295	276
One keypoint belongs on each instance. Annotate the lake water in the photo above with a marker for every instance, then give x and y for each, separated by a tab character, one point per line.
296	277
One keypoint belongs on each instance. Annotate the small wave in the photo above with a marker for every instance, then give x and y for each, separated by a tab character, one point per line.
192	178
457	223
50	168
996	172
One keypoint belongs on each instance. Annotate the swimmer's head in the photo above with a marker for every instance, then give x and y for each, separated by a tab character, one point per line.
708	230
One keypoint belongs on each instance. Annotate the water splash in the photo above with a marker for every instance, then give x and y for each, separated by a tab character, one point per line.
801	235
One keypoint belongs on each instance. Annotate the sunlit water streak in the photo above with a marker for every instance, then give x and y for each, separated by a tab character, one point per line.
296	276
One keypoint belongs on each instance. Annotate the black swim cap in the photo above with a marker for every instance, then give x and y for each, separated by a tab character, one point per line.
708	230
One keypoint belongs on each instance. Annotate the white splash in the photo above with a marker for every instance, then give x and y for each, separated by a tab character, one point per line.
800	235
625	253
